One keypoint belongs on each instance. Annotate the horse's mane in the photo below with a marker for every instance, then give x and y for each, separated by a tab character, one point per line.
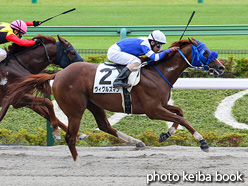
181	44
14	48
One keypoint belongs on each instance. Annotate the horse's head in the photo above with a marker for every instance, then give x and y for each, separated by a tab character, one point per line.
66	53
202	57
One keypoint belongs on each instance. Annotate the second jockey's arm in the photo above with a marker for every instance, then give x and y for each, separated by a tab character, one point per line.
34	23
13	38
29	23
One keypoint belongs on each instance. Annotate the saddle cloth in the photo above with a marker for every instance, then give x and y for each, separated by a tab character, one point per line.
106	74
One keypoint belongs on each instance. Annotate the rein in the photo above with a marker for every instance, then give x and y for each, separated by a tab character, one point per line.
46	52
162	76
31	48
185	58
23	64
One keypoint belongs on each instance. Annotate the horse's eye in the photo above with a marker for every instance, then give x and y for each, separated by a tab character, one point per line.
205	53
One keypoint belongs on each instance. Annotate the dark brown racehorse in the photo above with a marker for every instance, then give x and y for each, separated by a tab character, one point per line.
23	61
73	90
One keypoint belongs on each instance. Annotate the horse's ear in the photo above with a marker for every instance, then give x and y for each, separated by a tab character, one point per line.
62	40
190	40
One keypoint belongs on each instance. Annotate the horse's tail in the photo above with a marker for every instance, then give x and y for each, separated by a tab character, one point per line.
38	83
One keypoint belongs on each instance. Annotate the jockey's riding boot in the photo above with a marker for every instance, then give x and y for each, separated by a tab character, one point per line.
122	78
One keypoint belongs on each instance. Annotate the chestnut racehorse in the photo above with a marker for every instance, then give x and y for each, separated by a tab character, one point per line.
23	61
73	90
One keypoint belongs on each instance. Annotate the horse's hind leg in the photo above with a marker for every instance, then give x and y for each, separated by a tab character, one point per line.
43	111
4	110
31	101
44	108
104	125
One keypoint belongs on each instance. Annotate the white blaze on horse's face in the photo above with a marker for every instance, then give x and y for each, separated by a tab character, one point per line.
4	81
219	62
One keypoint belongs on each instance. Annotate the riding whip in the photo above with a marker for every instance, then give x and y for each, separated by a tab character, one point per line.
58	15
187	24
182	36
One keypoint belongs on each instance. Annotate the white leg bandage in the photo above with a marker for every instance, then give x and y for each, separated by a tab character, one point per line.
127	138
172	130
197	136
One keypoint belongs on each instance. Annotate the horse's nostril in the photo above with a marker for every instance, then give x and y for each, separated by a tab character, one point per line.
221	68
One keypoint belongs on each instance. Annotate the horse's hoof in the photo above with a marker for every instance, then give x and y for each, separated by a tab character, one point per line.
57	137
163	137
140	145
204	145
83	136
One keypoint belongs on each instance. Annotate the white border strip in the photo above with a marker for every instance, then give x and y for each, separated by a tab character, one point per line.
211	83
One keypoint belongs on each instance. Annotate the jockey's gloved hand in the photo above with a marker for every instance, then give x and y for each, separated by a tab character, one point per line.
37	41
36	23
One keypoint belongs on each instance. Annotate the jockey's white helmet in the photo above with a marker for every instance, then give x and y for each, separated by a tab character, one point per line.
158	36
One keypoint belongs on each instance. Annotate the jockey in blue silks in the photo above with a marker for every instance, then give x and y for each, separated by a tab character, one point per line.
127	52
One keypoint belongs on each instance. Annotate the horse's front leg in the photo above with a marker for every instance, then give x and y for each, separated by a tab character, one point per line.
172	130
166	115
38	105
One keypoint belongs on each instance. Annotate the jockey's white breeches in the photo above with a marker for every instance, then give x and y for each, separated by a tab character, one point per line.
115	55
3	54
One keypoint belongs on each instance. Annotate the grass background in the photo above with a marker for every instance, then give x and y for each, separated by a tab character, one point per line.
198	105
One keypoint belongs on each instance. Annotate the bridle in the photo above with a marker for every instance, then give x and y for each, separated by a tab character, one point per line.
63	51
62	54
199	62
